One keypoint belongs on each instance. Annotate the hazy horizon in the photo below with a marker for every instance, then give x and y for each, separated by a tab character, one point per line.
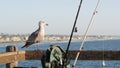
22	16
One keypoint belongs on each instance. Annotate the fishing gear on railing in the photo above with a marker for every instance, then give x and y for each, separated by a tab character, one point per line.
74	29
84	37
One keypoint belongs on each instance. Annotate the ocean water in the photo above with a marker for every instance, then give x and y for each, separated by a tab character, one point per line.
89	45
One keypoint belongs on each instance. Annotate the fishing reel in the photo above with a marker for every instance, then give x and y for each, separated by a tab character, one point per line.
54	58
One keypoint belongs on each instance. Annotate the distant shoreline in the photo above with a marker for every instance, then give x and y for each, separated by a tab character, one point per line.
61	41
48	38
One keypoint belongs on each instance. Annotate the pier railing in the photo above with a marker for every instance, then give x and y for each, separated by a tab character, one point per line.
12	56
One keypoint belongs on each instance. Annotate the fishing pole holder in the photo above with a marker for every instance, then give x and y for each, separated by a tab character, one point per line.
54	58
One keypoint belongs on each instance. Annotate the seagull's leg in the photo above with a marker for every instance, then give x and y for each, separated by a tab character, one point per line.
37	46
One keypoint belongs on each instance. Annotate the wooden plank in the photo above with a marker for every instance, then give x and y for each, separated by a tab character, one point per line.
96	55
10	57
12	49
36	55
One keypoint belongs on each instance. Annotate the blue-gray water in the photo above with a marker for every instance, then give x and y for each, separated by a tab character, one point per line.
89	45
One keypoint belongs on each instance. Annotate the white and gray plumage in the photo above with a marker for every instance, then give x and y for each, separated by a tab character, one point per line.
36	36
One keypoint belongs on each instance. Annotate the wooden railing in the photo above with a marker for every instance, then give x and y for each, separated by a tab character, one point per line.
13	55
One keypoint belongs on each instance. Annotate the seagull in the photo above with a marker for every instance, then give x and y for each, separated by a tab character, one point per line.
36	36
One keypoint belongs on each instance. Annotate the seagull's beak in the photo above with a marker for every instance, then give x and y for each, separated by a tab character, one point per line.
46	24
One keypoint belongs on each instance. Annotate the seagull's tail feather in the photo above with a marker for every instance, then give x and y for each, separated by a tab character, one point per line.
26	45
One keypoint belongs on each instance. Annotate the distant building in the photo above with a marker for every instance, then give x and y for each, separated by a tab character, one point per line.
15	39
0	37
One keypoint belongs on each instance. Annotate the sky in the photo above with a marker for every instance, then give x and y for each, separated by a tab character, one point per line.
22	16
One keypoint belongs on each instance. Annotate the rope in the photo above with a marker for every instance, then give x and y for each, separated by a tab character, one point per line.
84	37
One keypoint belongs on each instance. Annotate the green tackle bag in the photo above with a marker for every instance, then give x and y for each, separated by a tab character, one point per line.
53	58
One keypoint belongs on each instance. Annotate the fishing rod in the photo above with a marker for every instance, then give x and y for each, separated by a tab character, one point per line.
74	28
84	37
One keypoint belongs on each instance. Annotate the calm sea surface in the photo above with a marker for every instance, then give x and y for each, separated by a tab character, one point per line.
89	45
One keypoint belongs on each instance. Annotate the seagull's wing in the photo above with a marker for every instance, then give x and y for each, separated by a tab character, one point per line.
31	39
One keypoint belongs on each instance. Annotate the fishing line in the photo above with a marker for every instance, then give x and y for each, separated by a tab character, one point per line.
103	48
84	37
